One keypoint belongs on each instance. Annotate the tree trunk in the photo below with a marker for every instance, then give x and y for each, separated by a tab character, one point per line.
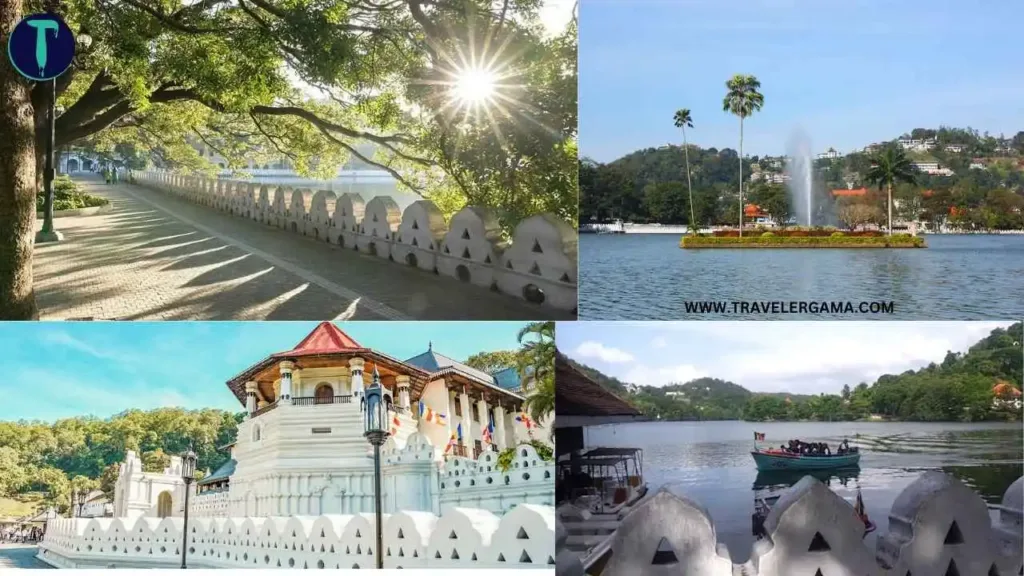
741	176
689	187
889	187
17	183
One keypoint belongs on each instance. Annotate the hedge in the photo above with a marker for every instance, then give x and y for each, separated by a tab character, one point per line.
68	196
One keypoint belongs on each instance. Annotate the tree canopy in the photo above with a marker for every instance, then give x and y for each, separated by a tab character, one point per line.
46	457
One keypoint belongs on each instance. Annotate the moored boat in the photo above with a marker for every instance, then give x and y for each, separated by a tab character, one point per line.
782	460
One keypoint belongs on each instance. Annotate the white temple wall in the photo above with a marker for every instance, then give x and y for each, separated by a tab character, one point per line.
539	265
463	538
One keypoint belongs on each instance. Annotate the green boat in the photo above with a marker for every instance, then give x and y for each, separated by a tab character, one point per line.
780	460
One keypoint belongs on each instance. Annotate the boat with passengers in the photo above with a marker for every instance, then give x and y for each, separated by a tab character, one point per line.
800	455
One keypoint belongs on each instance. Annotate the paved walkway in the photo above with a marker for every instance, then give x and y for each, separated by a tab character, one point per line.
20	556
158	257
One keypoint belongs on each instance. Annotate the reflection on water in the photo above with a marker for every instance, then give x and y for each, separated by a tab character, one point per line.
710	462
955	278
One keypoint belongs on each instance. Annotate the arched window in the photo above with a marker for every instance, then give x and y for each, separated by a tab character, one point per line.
163	504
324	393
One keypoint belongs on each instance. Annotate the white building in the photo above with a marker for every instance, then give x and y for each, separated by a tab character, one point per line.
829	154
462	486
954	148
301	451
933	168
917	145
96	505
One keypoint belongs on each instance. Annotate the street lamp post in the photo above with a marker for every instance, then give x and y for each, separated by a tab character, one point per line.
188	474
47	233
375	430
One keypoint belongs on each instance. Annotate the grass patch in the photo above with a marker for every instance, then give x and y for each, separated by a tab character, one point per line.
833	241
20	505
68	196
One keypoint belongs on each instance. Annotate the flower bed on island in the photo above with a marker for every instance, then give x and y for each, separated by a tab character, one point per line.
803	239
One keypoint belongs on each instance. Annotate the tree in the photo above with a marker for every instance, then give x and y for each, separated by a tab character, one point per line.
12	474
742	99
683	120
81	487
846	392
159	78
17	182
889	166
108	480
492	362
537	363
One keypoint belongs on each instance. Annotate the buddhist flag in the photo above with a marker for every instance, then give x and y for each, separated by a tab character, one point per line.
451	444
522	417
395	425
440	418
459	430
759	436
488	430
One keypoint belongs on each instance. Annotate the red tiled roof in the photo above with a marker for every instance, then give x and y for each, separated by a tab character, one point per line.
578	395
753	210
850	192
326	338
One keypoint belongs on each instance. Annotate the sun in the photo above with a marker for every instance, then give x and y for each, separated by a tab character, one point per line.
474	86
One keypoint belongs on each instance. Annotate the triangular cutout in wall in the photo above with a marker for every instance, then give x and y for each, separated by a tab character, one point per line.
664	554
953	535
818	544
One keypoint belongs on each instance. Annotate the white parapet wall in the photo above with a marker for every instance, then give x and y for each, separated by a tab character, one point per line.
460	538
937	527
539	265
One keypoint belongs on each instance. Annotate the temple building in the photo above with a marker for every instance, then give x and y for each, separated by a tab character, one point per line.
300	449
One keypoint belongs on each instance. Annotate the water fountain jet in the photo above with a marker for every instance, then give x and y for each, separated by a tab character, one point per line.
800	169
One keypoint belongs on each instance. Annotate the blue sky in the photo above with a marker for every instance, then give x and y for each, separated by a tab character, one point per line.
796	357
848	72
57	370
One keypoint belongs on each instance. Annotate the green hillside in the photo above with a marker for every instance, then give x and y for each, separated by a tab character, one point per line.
48	458
649	185
962	387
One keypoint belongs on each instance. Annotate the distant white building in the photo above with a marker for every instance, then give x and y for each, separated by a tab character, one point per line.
955	148
97	505
933	169
977	165
829	154
916	145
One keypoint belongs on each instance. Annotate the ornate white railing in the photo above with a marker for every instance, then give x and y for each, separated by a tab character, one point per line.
937	527
461	538
539	265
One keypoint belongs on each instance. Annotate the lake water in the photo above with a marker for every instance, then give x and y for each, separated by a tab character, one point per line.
710	462
648	277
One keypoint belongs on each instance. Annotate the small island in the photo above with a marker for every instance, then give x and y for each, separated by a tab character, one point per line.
801	238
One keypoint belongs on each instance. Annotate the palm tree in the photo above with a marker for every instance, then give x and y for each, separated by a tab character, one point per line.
888	166
683	120
742	99
536	362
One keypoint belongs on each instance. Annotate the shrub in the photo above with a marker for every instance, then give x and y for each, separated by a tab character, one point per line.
508	454
68	196
837	235
767	235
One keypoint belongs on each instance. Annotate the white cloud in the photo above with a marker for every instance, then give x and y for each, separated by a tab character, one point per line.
591	349
659	342
644	375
